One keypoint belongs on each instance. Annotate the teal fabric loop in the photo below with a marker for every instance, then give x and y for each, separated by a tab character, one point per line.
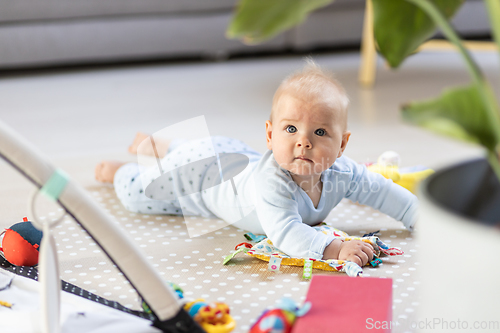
55	185
254	238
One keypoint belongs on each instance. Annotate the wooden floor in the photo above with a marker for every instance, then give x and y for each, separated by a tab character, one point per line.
78	117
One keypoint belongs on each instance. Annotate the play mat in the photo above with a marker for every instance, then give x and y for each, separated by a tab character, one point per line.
196	264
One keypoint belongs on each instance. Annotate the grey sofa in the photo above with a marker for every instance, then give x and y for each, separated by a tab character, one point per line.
38	33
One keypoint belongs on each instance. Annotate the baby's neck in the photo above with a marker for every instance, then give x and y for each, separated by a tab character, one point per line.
308	183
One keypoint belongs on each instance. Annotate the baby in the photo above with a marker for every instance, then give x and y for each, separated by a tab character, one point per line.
286	191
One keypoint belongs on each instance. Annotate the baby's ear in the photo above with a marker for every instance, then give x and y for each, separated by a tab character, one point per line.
269	134
345	140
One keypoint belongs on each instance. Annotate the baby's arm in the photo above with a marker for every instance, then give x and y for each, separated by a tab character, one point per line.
356	251
372	189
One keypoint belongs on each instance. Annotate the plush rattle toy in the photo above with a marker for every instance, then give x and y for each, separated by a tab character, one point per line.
281	318
213	317
388	166
21	244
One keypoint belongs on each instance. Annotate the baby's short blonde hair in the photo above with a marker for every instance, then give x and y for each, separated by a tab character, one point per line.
312	82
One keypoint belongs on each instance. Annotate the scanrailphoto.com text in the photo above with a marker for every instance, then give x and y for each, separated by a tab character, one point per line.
434	324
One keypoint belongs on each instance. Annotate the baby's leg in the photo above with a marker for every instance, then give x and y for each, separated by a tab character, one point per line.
130	190
161	145
105	170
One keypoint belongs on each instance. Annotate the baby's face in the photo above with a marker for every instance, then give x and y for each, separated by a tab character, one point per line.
306	136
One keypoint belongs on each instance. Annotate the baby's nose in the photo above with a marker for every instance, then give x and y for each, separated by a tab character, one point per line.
304	142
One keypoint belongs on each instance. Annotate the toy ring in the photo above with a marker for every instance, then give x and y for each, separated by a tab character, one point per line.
223	328
38	224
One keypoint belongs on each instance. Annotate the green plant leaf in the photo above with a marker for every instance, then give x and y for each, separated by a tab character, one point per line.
401	27
259	20
458	112
493	10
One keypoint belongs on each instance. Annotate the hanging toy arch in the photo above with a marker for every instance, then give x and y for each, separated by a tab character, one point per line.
156	292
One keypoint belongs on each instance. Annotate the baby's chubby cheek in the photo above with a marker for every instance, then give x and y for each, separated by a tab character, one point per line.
326	163
284	163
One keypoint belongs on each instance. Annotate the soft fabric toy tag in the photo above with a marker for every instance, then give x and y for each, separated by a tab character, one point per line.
308	268
375	262
274	264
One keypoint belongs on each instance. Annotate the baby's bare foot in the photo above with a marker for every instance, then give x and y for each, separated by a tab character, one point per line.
105	171
146	148
139	137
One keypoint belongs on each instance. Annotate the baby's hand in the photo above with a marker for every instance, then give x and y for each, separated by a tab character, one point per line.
356	251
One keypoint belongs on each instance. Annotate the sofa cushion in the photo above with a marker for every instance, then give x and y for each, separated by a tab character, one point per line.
29	10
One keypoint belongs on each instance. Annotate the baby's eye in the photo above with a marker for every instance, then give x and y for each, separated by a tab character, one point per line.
320	132
291	129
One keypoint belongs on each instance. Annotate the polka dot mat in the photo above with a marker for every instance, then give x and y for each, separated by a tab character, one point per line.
195	264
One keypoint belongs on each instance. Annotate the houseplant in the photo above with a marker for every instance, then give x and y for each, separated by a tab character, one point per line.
459	203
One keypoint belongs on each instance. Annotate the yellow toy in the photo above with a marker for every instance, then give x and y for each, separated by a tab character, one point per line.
388	166
6	304
213	317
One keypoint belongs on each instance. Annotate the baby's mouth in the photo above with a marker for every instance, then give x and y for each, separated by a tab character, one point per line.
303	158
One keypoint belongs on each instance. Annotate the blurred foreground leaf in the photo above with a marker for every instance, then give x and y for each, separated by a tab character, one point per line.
401	27
259	20
458	113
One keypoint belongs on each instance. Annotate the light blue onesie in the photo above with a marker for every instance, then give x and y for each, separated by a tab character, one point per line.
262	198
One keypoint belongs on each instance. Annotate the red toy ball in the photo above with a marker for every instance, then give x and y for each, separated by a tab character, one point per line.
21	244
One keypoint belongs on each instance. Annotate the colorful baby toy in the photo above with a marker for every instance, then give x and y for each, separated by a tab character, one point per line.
265	250
388	166
21	244
281	318
212	317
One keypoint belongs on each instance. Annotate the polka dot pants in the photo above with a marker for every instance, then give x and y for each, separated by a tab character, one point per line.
184	169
